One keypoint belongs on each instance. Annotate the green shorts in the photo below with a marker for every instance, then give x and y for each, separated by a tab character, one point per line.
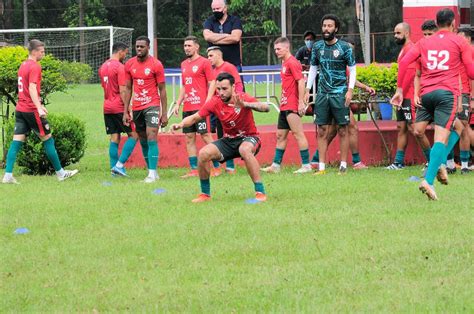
438	106
329	107
146	118
464	114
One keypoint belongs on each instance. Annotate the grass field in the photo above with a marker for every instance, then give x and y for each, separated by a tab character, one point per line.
364	242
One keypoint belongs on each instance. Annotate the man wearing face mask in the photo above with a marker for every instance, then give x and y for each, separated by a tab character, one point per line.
225	31
406	112
303	54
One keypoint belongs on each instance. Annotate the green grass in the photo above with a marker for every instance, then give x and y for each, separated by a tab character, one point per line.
364	242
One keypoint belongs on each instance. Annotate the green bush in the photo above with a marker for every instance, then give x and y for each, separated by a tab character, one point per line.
76	72
70	139
382	78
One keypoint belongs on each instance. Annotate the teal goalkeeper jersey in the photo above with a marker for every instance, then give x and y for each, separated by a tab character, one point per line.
332	61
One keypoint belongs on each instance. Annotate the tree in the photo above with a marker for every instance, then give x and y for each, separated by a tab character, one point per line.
94	13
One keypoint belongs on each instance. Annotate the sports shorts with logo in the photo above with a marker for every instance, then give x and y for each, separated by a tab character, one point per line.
283	119
28	121
438	106
114	124
406	112
148	117
464	114
229	146
201	127
331	106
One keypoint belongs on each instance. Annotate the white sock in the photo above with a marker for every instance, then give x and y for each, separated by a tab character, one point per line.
450	163
60	173
344	164
152	173
322	166
464	164
119	164
8	175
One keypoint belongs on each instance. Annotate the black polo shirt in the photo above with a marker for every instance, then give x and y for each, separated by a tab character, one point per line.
231	53
303	55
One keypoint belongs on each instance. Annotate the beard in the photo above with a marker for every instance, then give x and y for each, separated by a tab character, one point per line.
400	41
226	99
329	36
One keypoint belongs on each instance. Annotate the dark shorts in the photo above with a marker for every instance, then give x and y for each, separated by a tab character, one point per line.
25	122
438	106
283	121
229	147
406	113
146	118
464	114
114	124
201	127
329	107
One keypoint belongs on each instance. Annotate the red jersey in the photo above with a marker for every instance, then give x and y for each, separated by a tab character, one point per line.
29	72
232	70
291	73
236	122
466	82
145	77
195	76
408	83
112	74
442	56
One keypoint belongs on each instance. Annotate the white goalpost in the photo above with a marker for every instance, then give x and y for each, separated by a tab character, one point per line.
90	45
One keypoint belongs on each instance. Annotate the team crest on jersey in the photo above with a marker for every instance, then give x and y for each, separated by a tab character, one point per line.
195	68
147	71
283	70
336	53
237	110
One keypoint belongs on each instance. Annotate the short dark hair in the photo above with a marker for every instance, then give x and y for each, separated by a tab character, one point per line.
466	31
333	17
429	25
119	46
444	17
192	38
144	38
34	44
281	40
225	76
307	33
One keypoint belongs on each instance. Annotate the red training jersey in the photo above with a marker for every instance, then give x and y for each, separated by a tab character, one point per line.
291	73
29	72
236	122
466	82
195	76
232	70
442	56
145	77
112	75
408	84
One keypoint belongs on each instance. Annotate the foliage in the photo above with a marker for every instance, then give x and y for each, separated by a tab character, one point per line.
381	77
76	72
95	14
10	61
70	140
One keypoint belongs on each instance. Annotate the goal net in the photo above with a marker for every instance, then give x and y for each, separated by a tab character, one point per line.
90	45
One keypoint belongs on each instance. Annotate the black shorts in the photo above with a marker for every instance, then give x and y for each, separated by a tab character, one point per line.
146	118
114	124
283	121
27	121
229	147
464	114
406	112
201	127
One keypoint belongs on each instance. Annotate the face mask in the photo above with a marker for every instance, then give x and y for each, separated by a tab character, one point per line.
218	15
309	43
400	41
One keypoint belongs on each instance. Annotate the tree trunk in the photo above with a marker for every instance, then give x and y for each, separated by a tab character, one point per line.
190	17
82	51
